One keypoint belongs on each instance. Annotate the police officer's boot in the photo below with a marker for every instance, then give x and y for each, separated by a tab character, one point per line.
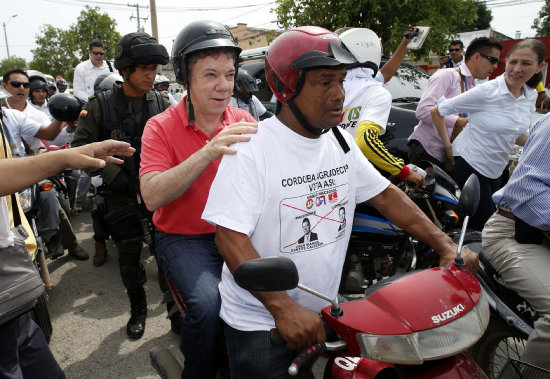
138	314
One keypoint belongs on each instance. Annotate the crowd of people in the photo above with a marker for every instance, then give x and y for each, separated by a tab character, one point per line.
202	215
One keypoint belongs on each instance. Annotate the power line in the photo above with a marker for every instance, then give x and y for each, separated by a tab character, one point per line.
109	5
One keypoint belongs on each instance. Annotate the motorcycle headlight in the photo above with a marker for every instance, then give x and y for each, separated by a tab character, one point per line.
25	197
431	344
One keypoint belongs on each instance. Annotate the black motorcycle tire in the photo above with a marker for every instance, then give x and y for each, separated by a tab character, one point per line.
41	315
499	343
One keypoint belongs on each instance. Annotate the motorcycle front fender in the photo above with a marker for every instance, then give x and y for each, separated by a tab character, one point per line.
459	366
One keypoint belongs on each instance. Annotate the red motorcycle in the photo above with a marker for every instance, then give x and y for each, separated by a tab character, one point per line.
416	325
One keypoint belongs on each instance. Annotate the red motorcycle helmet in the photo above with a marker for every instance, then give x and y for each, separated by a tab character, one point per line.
298	49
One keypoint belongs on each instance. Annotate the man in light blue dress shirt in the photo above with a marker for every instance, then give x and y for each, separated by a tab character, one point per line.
523	215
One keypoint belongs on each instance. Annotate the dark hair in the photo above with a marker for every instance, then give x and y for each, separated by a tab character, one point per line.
481	45
95	43
534	44
306	219
535	80
6	77
457	42
215	53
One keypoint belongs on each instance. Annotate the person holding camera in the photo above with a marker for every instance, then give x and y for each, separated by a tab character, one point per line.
455	57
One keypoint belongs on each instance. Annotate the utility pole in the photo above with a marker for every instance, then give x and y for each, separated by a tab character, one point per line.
6	34
137	6
154	25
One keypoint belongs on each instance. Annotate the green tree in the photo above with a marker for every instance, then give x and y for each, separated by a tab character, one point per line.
387	18
542	23
11	63
483	19
59	51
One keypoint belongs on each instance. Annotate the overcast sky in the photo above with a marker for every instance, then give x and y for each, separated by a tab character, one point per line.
173	15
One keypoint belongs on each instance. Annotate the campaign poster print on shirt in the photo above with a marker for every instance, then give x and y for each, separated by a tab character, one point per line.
316	218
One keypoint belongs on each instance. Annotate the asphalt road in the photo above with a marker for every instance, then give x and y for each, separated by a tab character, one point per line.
89	310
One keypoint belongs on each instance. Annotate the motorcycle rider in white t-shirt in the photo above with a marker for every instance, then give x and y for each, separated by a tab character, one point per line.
298	165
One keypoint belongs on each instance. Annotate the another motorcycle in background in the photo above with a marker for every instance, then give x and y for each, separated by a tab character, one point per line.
380	249
385	334
30	205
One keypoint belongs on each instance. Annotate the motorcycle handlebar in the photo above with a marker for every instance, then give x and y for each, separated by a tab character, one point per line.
309	353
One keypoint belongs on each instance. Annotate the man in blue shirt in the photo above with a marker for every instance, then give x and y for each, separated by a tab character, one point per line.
516	239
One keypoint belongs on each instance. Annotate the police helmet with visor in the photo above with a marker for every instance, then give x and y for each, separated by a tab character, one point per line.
139	48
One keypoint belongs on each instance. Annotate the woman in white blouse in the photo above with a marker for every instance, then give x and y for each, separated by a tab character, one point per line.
499	113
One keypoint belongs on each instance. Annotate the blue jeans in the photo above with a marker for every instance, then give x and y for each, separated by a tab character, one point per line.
24	352
253	356
194	265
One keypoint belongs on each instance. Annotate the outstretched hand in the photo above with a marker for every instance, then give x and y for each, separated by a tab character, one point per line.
231	134
97	154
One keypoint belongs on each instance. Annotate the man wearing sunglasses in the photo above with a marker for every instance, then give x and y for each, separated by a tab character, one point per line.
480	61
85	73
16	83
455	57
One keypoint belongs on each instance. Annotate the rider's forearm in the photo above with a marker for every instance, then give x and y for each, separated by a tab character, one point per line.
375	151
159	188
396	206
236	248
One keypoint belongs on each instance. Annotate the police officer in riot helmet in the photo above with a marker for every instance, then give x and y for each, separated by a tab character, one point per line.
121	113
243	96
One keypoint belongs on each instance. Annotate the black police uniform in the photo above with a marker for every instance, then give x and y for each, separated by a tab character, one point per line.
112	115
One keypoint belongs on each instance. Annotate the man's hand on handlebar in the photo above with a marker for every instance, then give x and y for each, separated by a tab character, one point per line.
415	178
300	327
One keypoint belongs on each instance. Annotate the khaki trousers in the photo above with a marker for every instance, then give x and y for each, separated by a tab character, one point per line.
526	268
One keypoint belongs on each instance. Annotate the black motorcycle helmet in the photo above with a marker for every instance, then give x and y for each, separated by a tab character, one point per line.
37	75
64	107
139	48
246	82
106	81
198	36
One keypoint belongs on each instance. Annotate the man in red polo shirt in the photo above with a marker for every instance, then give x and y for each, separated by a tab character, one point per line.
181	150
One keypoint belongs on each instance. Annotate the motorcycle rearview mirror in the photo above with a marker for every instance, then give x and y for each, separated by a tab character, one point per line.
467	204
267	274
276	274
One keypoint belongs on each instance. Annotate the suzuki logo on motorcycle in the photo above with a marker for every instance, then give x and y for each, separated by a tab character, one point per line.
448	314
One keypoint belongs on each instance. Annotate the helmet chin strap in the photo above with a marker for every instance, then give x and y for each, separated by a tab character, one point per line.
307	126
302	119
191	113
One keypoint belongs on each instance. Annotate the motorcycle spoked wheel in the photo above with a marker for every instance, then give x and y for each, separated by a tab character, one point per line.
41	315
499	343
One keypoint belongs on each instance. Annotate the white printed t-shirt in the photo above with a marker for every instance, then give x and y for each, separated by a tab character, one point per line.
366	100
267	189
